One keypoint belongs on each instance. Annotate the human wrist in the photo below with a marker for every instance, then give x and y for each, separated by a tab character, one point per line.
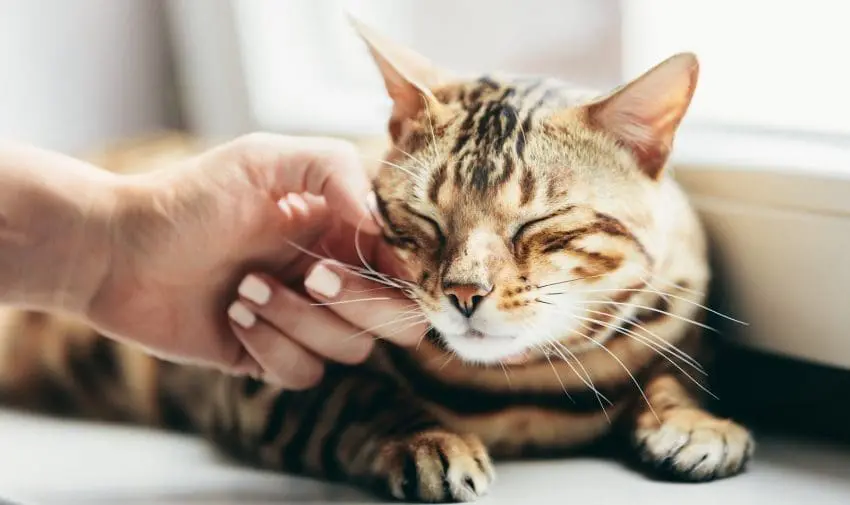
139	217
55	229
92	245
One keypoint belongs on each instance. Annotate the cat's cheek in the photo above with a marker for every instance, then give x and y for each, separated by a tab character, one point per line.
553	268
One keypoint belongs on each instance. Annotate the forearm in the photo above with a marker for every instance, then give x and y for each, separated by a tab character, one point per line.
55	238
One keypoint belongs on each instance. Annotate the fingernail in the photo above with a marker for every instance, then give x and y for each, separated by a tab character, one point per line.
297	201
323	281
241	315
255	289
372	203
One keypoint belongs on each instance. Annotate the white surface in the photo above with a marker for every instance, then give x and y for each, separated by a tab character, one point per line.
764	80
778	213
46	461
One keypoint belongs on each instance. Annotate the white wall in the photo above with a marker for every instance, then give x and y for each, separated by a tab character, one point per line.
577	40
77	73
307	72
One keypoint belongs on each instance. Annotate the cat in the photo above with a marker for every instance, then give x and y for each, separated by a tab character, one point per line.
561	268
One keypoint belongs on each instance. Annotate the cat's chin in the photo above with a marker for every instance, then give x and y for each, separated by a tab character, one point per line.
479	348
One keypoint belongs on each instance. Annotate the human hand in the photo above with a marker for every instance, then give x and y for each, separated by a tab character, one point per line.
184	238
341	310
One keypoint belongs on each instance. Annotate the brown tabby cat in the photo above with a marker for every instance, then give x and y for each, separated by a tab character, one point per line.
551	253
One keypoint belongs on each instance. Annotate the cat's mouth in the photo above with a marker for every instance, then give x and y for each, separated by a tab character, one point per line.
480	346
473	333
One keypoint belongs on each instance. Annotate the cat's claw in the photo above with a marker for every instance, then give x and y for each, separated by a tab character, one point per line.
692	445
436	466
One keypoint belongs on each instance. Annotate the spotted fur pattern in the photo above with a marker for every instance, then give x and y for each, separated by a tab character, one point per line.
589	264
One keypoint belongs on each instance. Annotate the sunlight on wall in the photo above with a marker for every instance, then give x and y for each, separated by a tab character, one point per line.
764	64
307	72
303	69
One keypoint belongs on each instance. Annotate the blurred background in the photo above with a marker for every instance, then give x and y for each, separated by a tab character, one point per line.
763	152
77	75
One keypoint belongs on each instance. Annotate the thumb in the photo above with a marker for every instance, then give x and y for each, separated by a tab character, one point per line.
325	167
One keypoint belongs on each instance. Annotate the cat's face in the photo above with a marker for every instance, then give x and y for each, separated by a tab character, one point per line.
520	208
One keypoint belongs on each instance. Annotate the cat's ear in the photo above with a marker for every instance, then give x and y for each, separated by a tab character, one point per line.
645	114
408	76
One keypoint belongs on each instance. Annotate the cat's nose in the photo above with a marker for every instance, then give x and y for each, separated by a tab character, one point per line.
466	297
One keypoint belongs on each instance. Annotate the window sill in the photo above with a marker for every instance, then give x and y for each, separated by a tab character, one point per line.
781	171
777	211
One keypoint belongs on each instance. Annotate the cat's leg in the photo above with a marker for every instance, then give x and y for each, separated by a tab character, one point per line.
355	426
682	440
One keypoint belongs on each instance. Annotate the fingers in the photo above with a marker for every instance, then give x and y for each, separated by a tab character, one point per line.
322	166
315	328
290	335
381	310
283	361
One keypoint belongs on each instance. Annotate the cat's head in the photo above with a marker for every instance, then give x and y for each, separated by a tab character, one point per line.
516	205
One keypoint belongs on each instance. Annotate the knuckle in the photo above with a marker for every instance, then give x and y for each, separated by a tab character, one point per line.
306	375
286	309
359	351
334	155
254	139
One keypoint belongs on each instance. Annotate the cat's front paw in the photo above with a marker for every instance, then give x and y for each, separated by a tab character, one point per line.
692	445
436	466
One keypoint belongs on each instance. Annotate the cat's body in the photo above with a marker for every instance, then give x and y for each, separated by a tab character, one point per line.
511	167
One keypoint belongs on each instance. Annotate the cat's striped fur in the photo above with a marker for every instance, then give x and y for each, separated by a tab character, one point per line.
526	186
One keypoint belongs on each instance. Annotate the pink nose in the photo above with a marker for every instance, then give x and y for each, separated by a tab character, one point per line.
466	297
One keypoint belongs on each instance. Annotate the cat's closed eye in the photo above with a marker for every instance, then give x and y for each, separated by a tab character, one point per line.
413	230
432	224
526	226
403	242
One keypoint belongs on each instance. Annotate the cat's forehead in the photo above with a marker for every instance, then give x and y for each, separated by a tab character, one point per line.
493	156
526	95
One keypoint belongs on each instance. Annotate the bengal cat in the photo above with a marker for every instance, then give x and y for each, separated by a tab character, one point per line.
556	260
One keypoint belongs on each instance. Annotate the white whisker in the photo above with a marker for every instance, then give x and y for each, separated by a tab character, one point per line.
448	360
372	275
664	344
560	348
358	300
651	309
623	365
507	377
555	371
391	164
415	159
431	127
382	325
669	282
589	382
360	250
557	375
575	279
663	294
422	338
370	290
639	340
405	328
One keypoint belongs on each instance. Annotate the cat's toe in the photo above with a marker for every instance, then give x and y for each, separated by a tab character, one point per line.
693	445
436	466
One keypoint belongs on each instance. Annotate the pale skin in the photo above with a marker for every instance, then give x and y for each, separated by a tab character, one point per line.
196	263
